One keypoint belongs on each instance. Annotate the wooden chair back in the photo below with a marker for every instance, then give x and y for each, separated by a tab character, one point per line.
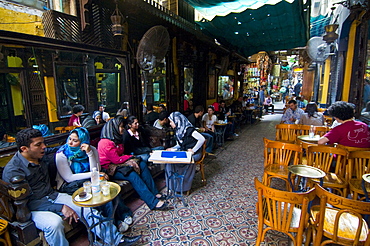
201	163
286	132
282	211
305	130
304	145
281	153
69	128
339	220
59	129
323	157
358	164
351	148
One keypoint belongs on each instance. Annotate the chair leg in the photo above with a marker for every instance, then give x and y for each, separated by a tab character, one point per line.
204	181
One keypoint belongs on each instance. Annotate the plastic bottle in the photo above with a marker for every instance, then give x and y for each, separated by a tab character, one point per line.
95	182
312	132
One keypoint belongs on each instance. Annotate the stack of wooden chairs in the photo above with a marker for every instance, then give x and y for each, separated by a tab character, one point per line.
339	217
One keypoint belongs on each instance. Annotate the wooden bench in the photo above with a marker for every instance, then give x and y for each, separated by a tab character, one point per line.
13	196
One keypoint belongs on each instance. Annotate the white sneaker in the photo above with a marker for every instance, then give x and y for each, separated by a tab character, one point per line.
236	135
128	220
122	227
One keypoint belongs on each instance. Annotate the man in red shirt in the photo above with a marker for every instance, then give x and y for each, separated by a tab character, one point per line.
349	133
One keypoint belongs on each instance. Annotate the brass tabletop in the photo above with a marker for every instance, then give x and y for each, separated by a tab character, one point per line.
366	177
307	138
220	124
99	199
306	171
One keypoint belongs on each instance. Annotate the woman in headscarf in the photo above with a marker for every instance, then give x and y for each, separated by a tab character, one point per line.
127	167
75	161
93	120
312	116
188	139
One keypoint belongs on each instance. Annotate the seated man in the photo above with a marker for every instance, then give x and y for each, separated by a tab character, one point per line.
195	119
268	104
292	114
47	205
162	121
151	116
349	133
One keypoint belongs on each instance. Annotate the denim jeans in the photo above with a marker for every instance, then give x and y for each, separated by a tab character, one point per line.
52	224
209	138
143	184
122	211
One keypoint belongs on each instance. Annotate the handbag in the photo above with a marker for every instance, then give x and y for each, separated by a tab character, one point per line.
125	167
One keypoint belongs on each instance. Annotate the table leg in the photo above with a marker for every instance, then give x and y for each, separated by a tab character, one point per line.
177	181
89	233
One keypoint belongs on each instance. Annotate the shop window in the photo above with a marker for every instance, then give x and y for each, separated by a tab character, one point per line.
70	84
226	87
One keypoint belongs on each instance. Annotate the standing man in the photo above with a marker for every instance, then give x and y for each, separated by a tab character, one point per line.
292	114
47	205
297	88
261	99
195	120
104	114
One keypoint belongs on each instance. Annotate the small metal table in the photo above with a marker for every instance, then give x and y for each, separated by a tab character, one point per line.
305	172
176	178
220	129
96	201
365	179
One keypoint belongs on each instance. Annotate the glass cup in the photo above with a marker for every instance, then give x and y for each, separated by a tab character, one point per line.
87	187
105	189
103	182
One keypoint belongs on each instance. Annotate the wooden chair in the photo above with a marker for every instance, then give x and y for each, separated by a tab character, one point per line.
278	155
286	133
282	211
59	129
351	148
69	128
304	145
324	158
305	130
4	233
358	165
338	220
201	163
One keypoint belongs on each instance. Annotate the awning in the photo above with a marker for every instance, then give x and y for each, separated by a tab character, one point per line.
270	27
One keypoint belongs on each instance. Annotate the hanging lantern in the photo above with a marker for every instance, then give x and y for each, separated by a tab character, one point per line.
117	18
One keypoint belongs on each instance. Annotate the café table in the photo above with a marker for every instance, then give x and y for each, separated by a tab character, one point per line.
95	201
305	172
220	128
176	178
307	138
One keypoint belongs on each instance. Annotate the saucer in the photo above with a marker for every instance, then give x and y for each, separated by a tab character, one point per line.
78	199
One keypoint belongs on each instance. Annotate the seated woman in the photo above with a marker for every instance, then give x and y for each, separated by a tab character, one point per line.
188	139
124	167
349	133
75	161
94	120
209	120
75	118
312	116
134	142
